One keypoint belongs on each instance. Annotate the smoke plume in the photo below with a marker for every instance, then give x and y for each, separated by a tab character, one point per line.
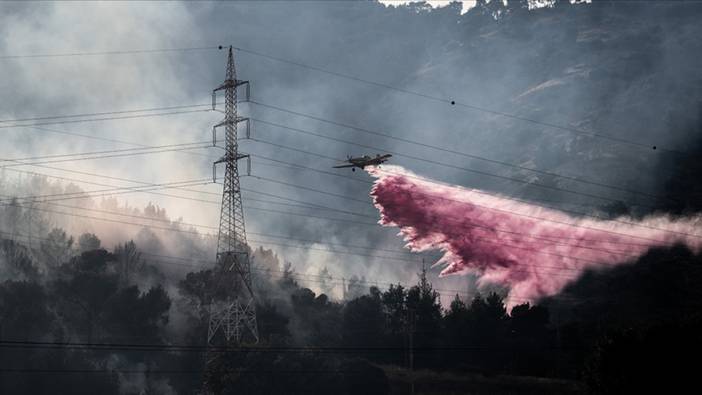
532	250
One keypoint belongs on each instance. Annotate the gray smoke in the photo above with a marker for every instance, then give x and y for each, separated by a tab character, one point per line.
614	68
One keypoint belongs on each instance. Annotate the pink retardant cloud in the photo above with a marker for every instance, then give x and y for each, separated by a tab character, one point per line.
535	251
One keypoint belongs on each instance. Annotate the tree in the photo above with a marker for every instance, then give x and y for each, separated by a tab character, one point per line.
317	317
287	281
36	224
88	242
272	325
394	301
137	315
17	262
56	248
488	319
529	338
24	311
325	282
11	215
196	287
264	266
395	308
27	313
82	290
528	321
456	322
425	303
356	288
364	321
129	262
153	211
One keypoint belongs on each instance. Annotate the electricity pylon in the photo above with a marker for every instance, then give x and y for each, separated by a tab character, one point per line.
232	308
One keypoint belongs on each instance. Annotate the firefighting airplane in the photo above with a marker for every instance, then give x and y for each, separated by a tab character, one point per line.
363	161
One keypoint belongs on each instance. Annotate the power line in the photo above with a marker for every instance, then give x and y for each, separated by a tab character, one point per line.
156	186
400	139
331	278
370	182
448	165
312	205
200	234
86	195
416	158
124	190
298	166
346	197
486	193
475	204
110	140
85	136
110	191
141	151
254	208
454	102
104	118
640	225
463	225
523	235
349	198
149	188
111	151
404	140
103	113
319	249
293	166
99	184
502	197
305	246
23	344
326	278
552	240
443	100
104	53
180	185
170	371
180	223
91	137
448	150
336	280
206	226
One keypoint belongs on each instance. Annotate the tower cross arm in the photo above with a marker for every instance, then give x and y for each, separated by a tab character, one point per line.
231	121
225	158
230	83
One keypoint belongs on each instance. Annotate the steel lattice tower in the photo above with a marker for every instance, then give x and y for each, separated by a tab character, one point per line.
236	312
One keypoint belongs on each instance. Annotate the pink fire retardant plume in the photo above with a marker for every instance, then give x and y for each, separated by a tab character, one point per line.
534	251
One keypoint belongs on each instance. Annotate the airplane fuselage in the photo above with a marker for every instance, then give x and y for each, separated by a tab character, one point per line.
363	161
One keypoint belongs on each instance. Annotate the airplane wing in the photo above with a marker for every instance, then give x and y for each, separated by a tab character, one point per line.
342	166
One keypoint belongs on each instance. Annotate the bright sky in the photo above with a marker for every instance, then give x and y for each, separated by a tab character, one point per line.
466	5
